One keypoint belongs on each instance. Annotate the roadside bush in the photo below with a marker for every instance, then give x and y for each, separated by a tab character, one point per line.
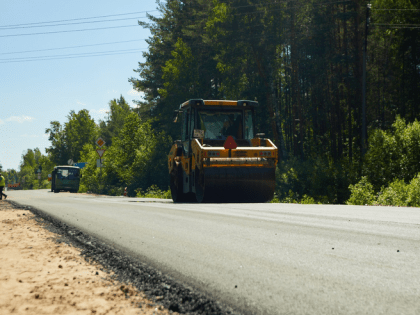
413	199
321	179
308	200
153	192
393	154
91	175
275	198
398	193
362	193
395	194
289	198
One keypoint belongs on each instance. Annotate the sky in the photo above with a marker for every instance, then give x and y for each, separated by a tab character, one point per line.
51	63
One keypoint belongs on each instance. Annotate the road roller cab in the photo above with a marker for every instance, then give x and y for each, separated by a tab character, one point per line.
219	157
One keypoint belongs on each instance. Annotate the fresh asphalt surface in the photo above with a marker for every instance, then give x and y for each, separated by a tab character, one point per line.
262	258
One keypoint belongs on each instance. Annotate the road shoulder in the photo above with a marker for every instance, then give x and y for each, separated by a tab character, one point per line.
39	273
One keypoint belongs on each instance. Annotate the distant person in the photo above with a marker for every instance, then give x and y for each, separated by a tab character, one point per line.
228	126
233	127
2	184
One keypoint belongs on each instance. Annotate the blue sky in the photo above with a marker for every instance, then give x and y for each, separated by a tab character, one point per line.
34	92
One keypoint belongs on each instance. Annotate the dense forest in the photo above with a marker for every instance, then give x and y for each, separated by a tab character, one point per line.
337	83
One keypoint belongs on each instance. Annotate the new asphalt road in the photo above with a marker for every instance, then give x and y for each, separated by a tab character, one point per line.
262	258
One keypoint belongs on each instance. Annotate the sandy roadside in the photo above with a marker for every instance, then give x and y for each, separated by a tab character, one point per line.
41	276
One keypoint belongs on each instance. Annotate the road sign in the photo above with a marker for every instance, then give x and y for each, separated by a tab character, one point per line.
230	143
80	164
100	152
70	162
39	175
100	142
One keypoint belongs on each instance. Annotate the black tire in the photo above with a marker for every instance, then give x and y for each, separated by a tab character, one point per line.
200	188
56	191
176	185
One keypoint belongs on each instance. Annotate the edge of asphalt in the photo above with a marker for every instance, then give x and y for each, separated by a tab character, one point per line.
158	287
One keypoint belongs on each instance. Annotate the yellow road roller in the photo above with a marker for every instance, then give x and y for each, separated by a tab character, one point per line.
219	158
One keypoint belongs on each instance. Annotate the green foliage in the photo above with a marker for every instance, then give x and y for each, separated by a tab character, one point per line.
397	45
396	194
325	182
390	163
153	192
67	142
308	200
79	130
290	198
58	151
140	155
362	193
393	154
181	72
118	112
275	199
32	160
413	199
137	159
91	180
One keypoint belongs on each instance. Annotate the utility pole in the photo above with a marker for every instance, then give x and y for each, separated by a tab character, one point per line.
364	136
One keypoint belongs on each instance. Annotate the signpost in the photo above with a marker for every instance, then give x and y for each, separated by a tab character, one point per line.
39	176
100	143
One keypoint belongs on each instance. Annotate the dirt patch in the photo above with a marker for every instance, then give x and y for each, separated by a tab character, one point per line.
39	275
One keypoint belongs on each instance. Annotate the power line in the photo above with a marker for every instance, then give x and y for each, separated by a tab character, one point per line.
104	53
37	24
69	47
77	19
91	29
68	55
69	31
51	57
76	23
117	52
31	25
73	57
